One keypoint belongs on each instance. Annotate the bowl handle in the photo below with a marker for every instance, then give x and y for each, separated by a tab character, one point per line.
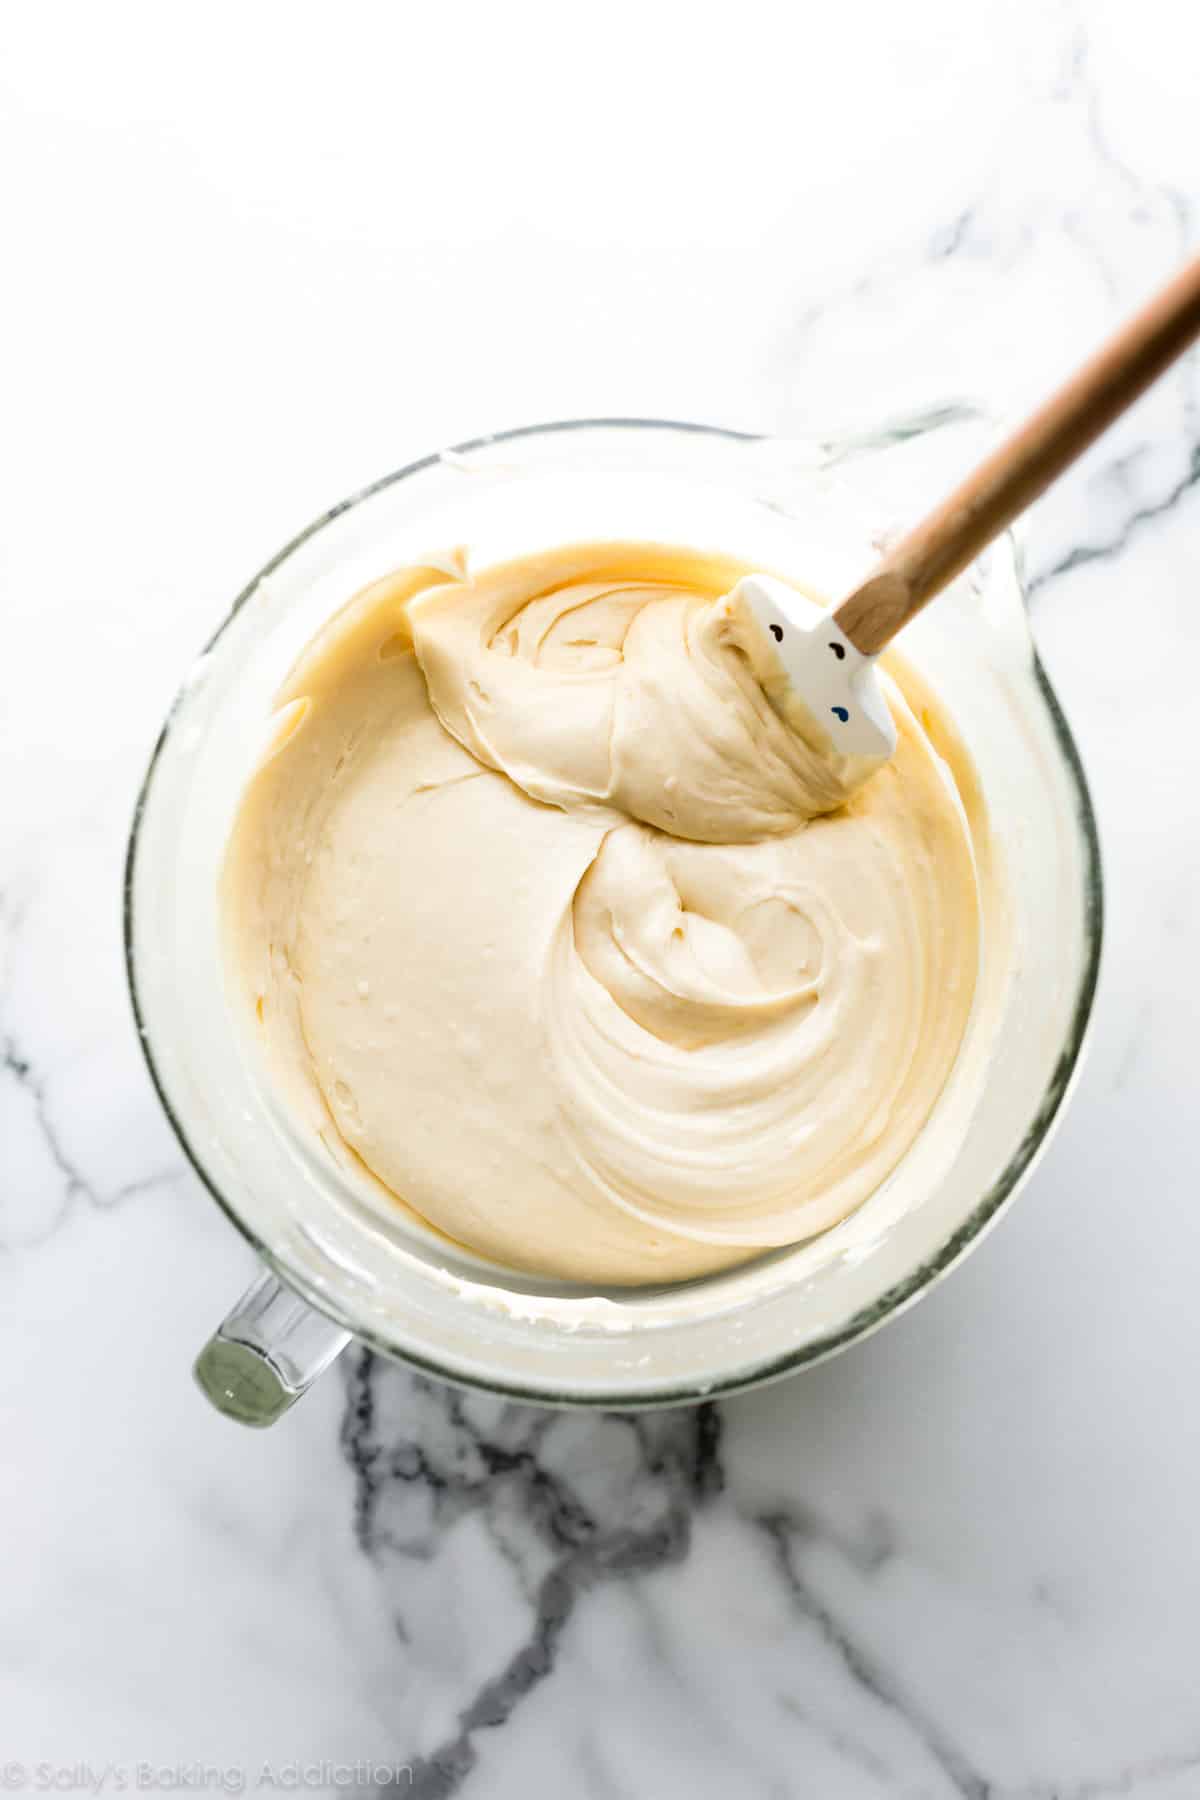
266	1352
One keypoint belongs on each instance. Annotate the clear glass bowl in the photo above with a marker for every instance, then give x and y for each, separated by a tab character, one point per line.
816	507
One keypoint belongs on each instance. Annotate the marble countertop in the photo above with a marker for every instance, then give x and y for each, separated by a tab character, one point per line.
253	260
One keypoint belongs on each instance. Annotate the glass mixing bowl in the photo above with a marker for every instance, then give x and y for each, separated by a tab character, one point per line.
335	1268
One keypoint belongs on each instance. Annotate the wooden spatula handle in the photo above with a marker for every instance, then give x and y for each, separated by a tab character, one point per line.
931	555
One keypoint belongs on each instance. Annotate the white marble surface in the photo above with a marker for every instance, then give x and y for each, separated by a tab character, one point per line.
254	256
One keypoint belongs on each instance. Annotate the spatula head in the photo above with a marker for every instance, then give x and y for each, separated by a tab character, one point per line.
816	678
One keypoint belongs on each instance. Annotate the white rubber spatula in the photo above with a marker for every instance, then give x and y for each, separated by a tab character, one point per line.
829	661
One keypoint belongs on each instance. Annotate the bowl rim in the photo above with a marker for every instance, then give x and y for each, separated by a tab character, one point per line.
896	1299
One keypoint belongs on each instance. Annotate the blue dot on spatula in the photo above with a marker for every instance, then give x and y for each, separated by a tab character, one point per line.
840	712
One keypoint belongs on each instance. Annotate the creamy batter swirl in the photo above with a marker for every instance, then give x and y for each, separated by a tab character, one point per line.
549	924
